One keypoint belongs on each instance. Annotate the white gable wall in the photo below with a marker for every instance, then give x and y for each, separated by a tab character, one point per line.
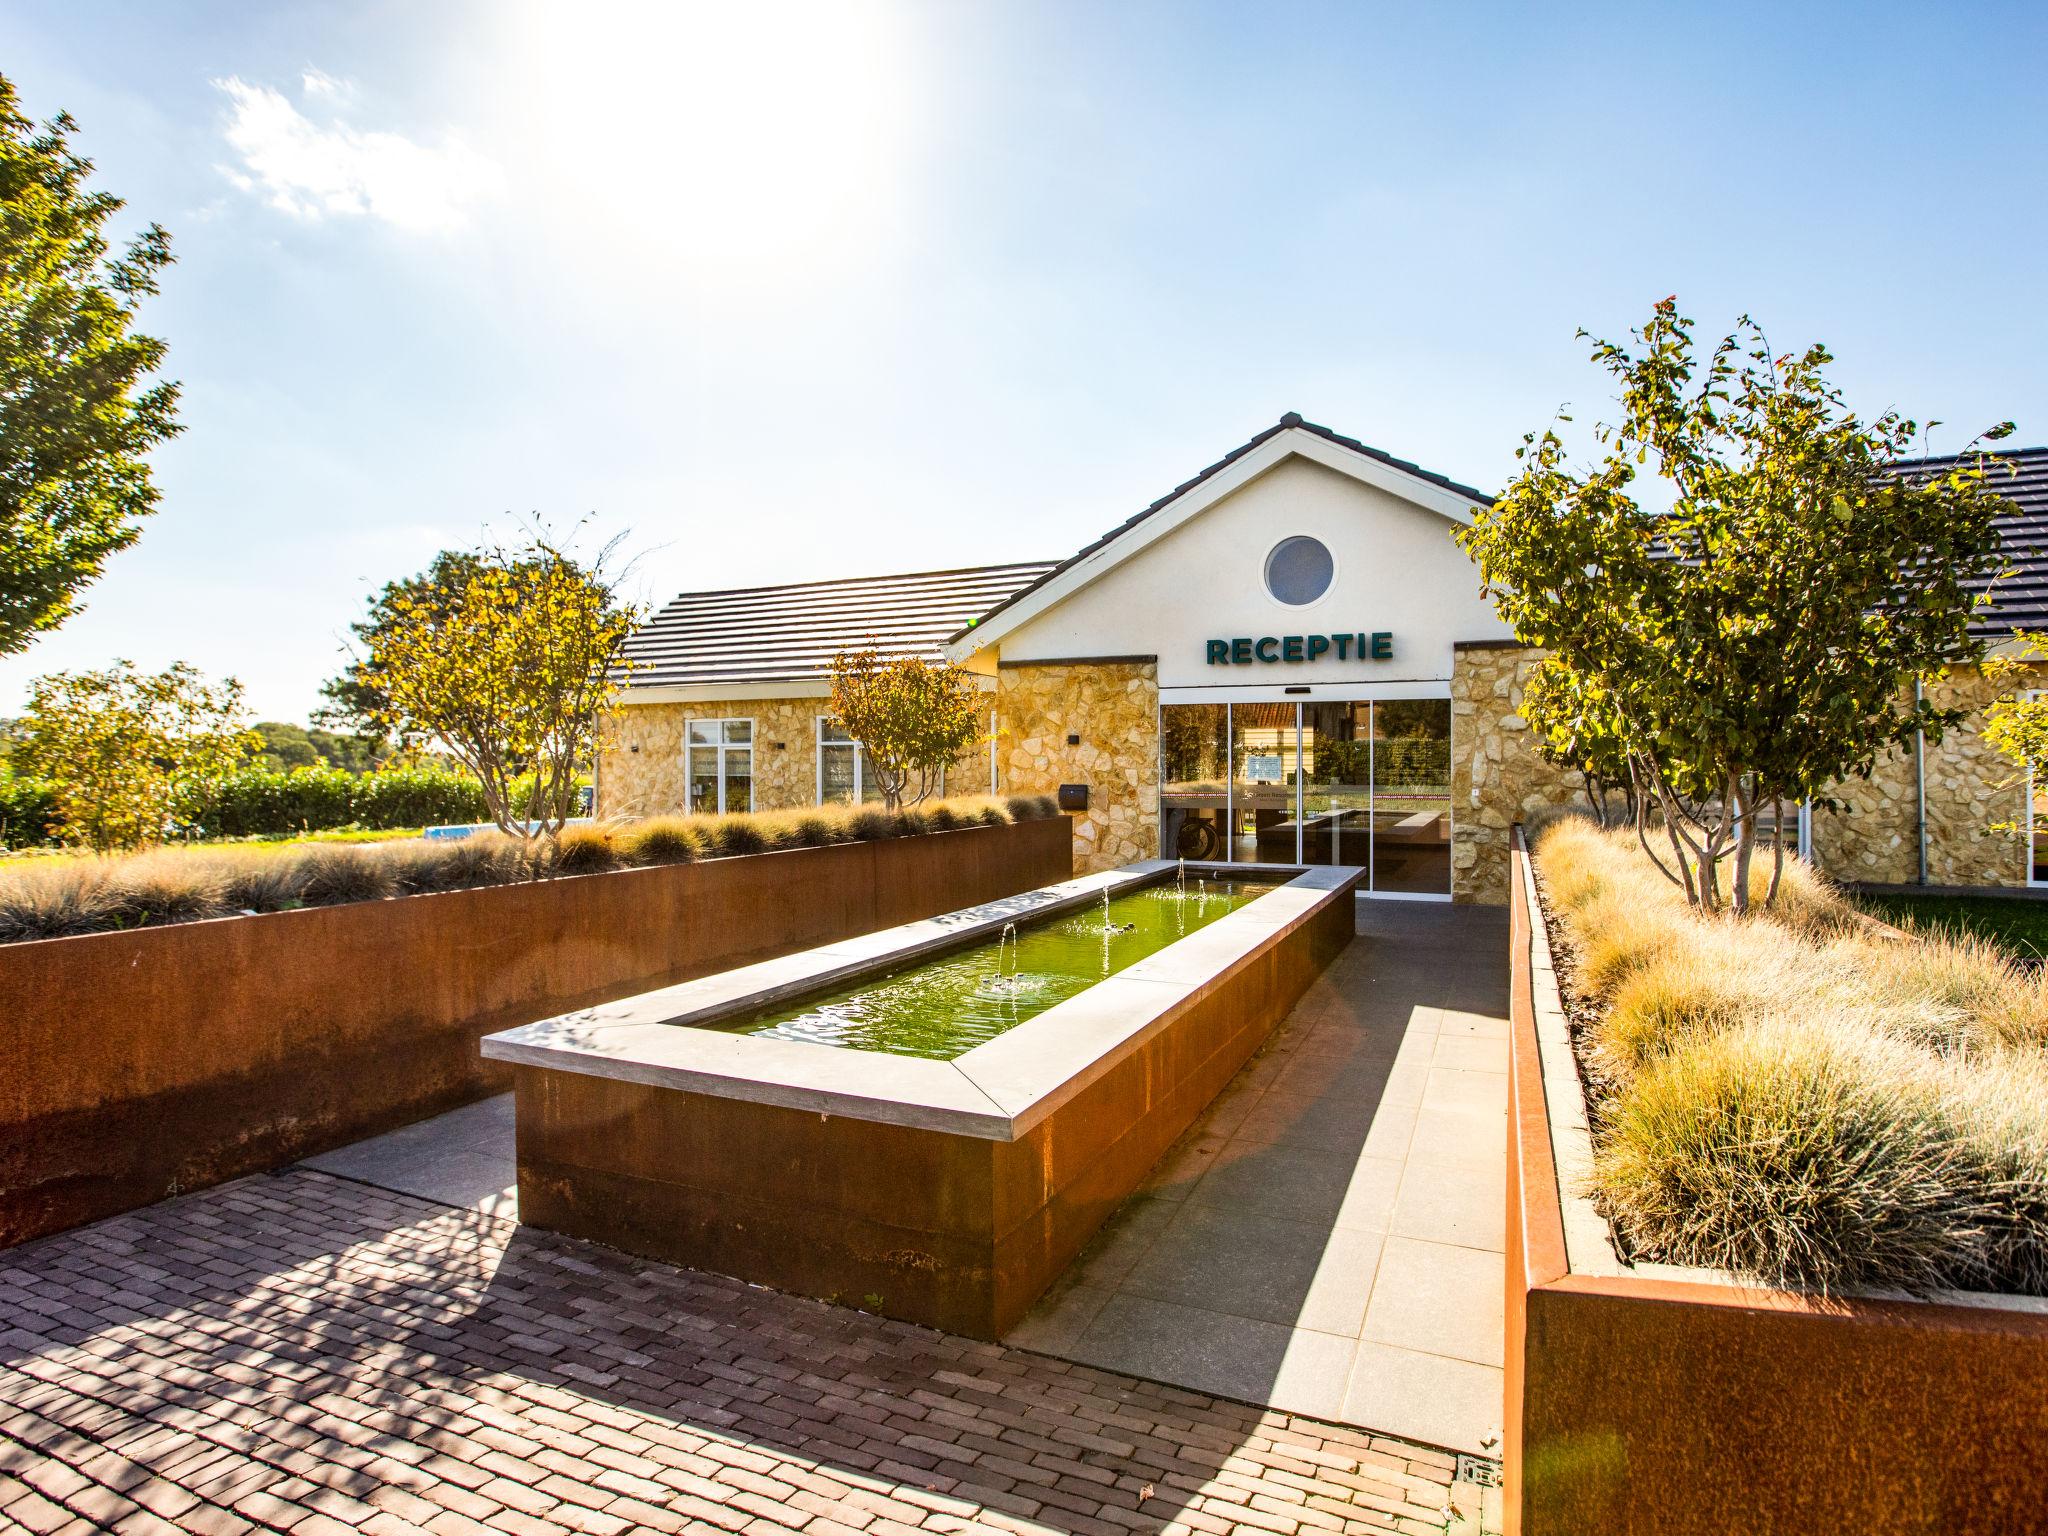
1397	571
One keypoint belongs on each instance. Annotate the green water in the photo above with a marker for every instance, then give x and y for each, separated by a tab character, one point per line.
942	1008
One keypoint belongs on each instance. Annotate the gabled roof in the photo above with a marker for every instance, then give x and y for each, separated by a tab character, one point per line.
2020	476
1290	434
753	635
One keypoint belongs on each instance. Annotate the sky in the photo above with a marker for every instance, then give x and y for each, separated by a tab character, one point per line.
786	292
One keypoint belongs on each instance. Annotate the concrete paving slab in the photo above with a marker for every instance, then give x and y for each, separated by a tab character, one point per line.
1254	1265
462	1159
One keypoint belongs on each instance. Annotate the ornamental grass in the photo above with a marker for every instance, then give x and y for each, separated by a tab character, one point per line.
59	898
1801	1096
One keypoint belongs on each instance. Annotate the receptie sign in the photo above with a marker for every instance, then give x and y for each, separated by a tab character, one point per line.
1367	645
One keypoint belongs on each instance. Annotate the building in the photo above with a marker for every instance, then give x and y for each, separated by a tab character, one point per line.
1283	659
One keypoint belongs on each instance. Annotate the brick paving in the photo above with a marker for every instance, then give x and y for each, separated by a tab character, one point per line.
303	1353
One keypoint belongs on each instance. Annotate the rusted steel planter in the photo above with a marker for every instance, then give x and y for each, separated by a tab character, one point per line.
137	1065
1656	1399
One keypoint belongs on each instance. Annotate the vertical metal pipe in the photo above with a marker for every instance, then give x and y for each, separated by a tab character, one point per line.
1920	787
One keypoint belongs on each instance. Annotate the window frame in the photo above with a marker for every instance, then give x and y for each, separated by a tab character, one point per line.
721	747
860	758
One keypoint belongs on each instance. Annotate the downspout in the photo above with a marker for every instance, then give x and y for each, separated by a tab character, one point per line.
1920	786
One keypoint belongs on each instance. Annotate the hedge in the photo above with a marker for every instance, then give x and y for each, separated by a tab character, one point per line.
266	802
28	812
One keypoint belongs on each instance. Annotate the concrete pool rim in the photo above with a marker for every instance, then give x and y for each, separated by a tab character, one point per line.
997	1091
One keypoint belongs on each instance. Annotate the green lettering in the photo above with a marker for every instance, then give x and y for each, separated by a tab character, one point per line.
1268	649
1343	647
1317	644
1290	648
1240	651
1382	646
1219	652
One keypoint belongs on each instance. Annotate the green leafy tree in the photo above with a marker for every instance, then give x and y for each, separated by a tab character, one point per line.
125	753
2016	723
912	719
287	746
356	702
1756	641
77	413
506	660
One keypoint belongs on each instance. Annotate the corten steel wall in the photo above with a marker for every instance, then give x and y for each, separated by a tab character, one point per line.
953	1231
141	1064
1654	1406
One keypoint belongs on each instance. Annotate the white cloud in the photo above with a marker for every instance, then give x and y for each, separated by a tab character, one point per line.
318	85
313	170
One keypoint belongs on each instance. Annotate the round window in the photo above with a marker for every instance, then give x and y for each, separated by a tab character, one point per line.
1298	571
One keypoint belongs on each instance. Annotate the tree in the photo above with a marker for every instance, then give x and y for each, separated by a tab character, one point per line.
507	659
76	413
124	752
912	719
2016	723
355	703
1756	642
286	746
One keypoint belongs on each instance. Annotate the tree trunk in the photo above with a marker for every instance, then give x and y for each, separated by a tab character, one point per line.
1745	838
1777	848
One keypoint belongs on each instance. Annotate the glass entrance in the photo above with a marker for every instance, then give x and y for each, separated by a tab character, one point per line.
1262	782
1411	795
1362	782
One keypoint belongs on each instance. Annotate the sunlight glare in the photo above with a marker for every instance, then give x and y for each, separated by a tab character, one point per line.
754	144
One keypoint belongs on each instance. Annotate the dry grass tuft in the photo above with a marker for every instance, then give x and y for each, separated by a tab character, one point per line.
1795	1096
1801	1156
584	851
660	840
62	897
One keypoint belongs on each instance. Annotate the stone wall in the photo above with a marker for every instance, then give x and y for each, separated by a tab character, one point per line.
649	781
1496	777
1969	788
1113	707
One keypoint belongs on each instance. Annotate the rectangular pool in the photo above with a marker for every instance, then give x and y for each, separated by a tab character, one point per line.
942	1008
928	1121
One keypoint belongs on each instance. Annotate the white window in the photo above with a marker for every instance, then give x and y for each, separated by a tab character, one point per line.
845	777
719	773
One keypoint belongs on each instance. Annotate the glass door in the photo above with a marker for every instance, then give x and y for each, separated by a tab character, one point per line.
1194	788
1263	746
1336	783
1411	796
1363	782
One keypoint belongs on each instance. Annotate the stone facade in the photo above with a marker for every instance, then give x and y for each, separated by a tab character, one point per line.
1113	707
1970	789
641	766
1497	779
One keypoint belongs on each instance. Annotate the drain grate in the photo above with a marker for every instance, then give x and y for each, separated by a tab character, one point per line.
1479	1470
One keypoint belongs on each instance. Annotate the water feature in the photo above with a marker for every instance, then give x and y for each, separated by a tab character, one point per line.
943	1007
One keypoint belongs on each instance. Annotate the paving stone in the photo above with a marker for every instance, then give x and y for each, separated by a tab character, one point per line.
308	1353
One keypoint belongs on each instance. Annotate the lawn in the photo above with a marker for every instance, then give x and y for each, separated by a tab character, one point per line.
2014	924
27	857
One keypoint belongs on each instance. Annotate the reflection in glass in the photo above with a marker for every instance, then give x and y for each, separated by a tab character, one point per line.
1193	749
1336	792
1263	744
1411	796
